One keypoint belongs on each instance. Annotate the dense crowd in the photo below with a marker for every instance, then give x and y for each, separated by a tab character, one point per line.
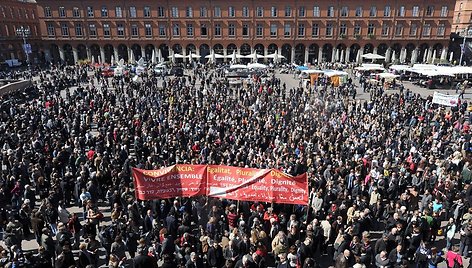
383	174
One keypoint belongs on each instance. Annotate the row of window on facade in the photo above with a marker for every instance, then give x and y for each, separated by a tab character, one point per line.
259	12
10	29
232	30
16	13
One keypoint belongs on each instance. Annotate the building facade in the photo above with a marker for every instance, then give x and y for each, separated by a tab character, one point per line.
13	15
462	19
302	31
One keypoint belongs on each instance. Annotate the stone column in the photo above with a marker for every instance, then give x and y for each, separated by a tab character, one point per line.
333	54
347	54
444	52
184	53
320	55
414	56
430	54
403	55
89	53
266	52
47	54
76	55
197	51
143	53
388	55
362	53
306	54
116	54
225	53
130	51
375	50
61	53
102	55
293	55
156	48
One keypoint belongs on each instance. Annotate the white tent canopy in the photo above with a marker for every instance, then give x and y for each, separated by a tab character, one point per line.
372	56
429	72
194	56
399	68
256	66
179	56
433	70
370	67
331	73
312	71
238	66
454	70
253	55
274	55
238	56
217	56
387	75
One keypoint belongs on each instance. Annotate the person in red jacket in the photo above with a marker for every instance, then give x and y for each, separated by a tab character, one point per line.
232	216
452	256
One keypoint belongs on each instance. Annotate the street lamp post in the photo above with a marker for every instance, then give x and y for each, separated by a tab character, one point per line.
465	35
24	32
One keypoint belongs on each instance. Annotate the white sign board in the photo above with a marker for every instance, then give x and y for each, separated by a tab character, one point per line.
447	100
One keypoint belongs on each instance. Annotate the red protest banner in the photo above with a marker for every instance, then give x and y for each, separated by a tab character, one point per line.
263	185
169	182
288	189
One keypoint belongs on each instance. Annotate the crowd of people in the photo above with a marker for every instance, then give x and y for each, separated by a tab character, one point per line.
383	174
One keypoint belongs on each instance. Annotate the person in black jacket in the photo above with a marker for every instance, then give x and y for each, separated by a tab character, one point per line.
42	259
171	224
304	251
66	258
84	256
396	256
194	262
148	221
143	260
168	246
132	238
215	255
168	262
48	243
63	237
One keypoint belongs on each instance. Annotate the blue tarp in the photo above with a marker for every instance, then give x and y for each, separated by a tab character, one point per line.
302	68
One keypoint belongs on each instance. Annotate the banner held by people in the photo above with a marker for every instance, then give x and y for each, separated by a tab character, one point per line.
174	181
446	100
250	184
244	184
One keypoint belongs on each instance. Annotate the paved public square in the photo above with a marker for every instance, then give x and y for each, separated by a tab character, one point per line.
291	82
